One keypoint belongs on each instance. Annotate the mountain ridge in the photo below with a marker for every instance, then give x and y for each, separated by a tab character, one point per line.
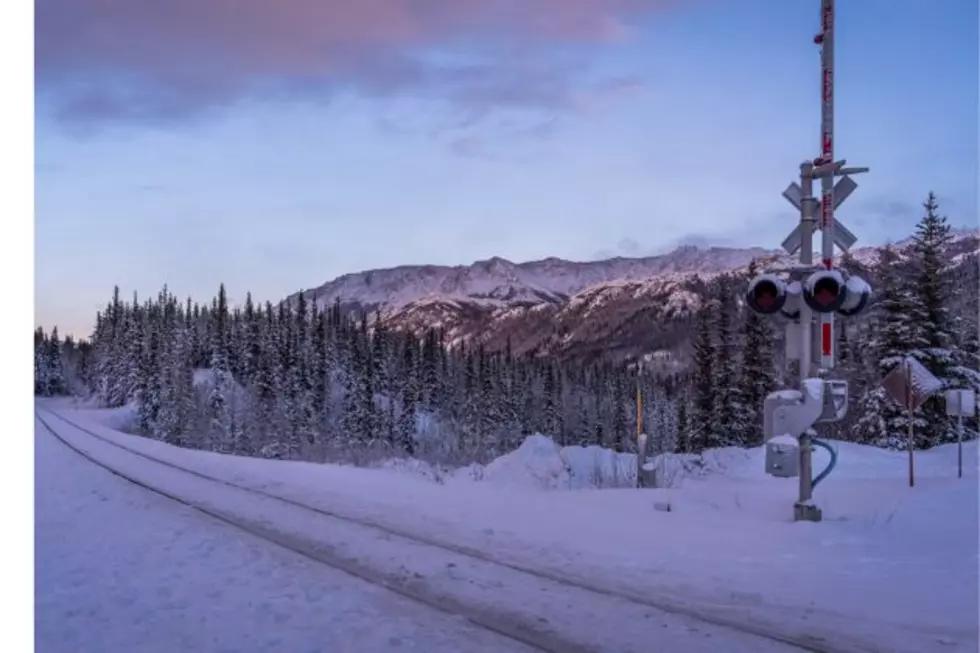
621	306
550	279
497	280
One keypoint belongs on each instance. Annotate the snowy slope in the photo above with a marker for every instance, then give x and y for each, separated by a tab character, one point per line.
889	565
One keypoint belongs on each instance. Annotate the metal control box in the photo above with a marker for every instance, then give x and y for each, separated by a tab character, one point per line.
783	457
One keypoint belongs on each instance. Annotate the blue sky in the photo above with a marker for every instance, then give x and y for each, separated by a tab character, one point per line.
280	170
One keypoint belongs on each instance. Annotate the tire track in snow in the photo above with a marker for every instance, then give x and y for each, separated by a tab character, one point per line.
800	641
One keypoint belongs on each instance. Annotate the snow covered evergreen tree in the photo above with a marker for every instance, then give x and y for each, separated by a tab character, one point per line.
896	333
55	371
727	402
931	296
221	431
148	370
701	417
756	373
176	424
407	418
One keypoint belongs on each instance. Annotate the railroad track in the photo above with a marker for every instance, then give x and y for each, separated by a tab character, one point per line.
528	634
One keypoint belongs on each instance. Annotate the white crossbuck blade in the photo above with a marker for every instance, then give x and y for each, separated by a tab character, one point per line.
843	237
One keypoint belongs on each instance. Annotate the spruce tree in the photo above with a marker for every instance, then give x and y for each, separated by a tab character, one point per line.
932	295
148	368
896	333
700	420
757	373
221	434
728	413
40	362
407	417
683	439
176	422
55	380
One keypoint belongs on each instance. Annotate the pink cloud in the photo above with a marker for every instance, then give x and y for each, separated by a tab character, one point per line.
169	58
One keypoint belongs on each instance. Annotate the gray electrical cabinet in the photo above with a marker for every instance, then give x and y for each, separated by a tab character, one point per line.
782	451
773	423
783	457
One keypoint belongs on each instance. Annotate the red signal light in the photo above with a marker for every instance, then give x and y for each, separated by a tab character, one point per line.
765	299
826	292
766	295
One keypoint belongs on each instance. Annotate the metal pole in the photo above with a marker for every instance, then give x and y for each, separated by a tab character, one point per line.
806	320
810	337
807	218
827	129
827	157
959	440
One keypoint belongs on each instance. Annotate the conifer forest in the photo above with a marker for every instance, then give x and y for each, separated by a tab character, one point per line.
299	380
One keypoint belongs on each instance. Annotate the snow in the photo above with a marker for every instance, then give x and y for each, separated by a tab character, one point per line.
922	379
503	283
858	286
120	569
890	566
126	418
553	614
814	389
787	395
538	464
784	440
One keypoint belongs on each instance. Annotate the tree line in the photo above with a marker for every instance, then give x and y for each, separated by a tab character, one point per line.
300	380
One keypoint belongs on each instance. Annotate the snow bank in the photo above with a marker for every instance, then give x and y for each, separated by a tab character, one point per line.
889	563
124	418
418	469
540	464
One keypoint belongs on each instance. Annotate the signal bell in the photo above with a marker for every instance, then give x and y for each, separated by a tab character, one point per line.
825	291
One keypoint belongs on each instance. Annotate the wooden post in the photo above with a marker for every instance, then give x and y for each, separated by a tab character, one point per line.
911	417
641	453
639	409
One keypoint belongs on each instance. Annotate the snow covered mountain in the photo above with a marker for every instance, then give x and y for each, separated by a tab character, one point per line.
498	282
624	306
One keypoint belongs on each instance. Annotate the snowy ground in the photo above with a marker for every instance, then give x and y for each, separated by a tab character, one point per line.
121	569
890	569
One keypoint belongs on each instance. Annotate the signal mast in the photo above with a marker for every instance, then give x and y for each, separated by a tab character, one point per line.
807	293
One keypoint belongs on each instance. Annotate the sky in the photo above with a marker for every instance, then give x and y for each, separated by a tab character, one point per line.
273	146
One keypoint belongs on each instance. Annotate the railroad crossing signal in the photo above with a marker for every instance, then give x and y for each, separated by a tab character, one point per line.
843	237
825	292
